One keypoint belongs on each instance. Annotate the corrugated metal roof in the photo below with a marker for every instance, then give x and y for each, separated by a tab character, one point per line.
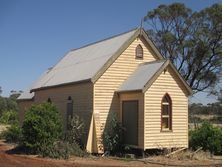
83	63
26	95
141	76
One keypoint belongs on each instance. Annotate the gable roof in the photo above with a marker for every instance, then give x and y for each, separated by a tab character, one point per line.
83	63
89	62
140	76
144	76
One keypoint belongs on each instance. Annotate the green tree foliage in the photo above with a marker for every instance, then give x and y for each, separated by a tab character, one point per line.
42	126
210	109
219	96
13	134
15	94
9	103
113	134
191	40
211	112
207	137
9	117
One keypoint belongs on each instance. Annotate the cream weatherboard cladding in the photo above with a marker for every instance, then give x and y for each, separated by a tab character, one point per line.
169	83
24	105
82	96
105	98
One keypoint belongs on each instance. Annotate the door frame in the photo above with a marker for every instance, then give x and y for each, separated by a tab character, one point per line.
122	109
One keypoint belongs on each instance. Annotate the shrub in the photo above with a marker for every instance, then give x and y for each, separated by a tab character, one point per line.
58	150
71	145
112	135
76	150
42	126
9	117
75	130
207	137
74	135
62	149
13	134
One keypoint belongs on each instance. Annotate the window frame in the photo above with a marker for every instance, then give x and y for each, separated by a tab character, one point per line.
169	115
49	100
139	52
69	115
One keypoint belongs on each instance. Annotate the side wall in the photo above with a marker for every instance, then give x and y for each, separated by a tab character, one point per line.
23	105
105	99
166	83
82	96
140	97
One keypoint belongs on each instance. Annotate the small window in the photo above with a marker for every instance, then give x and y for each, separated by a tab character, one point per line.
69	112
166	113
49	100
139	52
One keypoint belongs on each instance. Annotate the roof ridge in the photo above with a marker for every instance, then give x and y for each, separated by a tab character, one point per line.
105	39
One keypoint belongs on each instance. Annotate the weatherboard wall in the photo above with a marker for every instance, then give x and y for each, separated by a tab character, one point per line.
82	96
23	105
169	83
105	98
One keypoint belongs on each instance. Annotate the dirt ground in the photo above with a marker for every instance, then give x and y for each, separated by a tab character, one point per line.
15	160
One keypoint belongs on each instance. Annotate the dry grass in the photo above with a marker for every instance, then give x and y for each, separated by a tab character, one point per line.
190	155
183	158
3	128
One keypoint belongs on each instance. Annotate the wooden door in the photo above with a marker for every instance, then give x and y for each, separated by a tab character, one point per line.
130	122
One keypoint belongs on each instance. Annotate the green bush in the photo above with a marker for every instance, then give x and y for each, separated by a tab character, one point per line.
62	150
71	145
76	150
9	117
75	131
42	126
207	137
74	135
113	135
13	134
59	150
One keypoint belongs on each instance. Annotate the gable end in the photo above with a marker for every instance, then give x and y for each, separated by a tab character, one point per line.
139	33
163	67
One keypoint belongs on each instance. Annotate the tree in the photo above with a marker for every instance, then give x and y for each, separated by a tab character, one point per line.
42	126
219	96
208	137
9	103
3	105
15	94
0	90
191	40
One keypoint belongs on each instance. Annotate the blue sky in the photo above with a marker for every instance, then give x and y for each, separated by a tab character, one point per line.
35	34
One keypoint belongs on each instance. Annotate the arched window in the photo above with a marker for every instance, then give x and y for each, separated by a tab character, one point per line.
166	112
139	52
49	100
69	111
69	98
